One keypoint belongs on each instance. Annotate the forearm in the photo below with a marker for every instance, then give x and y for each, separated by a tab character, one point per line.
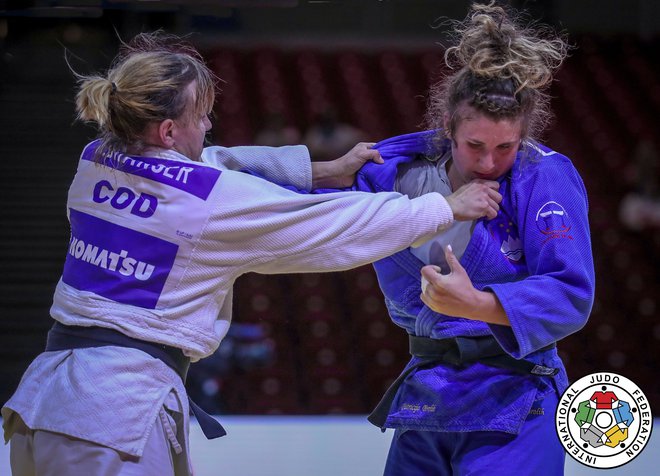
453	294
474	305
487	308
330	175
340	173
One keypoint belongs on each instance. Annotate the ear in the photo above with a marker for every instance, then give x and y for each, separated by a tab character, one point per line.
445	124
166	133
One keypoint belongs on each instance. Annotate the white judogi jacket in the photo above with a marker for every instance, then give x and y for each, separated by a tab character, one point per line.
156	245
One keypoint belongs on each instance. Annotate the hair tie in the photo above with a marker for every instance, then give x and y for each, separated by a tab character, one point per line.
114	87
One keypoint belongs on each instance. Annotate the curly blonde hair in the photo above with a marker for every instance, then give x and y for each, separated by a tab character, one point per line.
502	68
146	83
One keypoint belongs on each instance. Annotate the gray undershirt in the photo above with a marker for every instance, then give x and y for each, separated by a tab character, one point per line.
422	176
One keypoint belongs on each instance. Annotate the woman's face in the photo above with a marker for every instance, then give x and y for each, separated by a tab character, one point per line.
191	129
481	147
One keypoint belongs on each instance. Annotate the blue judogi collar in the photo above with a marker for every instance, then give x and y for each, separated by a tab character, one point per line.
395	150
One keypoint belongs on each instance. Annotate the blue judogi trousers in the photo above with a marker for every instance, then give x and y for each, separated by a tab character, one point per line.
535	451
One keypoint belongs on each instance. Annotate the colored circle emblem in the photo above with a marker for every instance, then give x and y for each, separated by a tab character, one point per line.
552	219
604	420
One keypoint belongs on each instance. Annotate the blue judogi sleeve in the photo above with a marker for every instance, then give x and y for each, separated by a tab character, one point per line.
550	205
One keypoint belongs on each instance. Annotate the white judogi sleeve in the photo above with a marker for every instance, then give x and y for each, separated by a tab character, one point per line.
286	165
288	233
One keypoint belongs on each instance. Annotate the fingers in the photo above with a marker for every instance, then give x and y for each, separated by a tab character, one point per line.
489	183
370	154
364	152
363	146
430	274
476	199
492	189
492	209
426	300
494	194
425	283
493	197
374	156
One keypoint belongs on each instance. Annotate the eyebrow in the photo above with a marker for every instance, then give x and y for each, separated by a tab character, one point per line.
478	142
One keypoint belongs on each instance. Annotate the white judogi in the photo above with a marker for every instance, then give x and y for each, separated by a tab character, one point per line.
156	245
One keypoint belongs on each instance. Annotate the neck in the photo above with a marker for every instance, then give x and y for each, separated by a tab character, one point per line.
152	150
455	180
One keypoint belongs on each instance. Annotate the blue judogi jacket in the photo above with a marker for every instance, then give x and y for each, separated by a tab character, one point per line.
535	256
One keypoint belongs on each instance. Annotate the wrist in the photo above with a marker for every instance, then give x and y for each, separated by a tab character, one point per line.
330	174
452	205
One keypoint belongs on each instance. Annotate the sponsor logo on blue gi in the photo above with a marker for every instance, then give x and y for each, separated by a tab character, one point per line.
552	220
116	262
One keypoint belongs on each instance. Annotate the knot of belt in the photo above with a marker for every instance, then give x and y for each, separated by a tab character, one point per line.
62	337
456	351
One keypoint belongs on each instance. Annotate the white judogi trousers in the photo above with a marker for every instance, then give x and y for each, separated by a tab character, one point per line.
43	453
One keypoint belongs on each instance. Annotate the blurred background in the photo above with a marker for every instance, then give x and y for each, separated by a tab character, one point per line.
328	74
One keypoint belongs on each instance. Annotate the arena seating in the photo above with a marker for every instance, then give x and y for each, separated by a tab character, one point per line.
329	346
605	100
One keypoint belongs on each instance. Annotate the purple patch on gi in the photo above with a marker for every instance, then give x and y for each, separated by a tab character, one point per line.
198	180
116	262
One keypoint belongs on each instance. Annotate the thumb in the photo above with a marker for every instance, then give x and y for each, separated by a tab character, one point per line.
451	259
375	157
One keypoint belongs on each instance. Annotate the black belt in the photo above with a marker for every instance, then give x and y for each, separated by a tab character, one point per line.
61	337
456	351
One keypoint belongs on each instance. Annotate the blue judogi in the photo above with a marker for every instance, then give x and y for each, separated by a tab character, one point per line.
536	257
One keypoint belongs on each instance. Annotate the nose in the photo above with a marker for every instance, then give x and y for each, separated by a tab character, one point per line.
486	163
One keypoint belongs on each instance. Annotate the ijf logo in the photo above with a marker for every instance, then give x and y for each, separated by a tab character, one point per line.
604	420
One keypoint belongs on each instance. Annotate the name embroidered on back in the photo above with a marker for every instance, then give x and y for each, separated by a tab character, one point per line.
196	179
